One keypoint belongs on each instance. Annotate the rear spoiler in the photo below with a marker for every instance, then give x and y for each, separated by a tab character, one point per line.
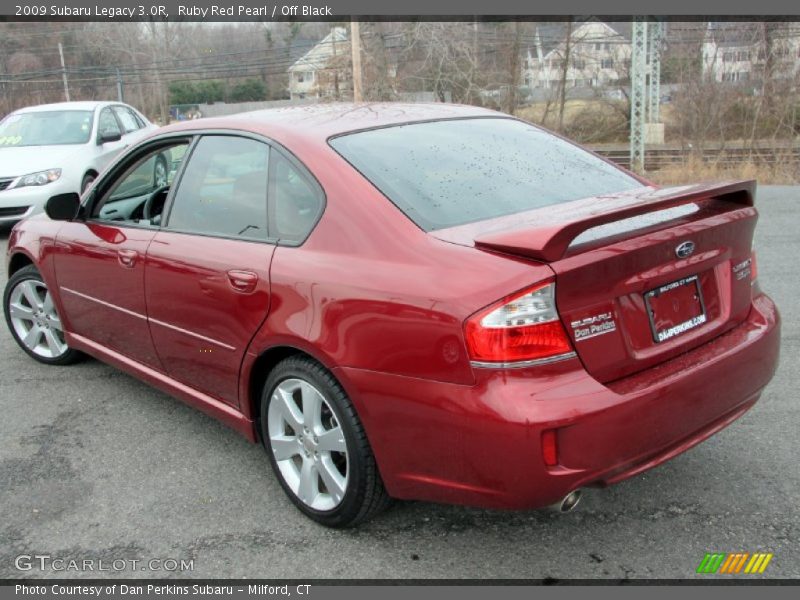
548	232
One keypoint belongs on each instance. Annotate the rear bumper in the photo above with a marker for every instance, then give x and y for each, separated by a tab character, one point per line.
481	445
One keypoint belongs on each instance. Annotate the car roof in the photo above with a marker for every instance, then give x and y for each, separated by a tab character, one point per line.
318	122
83	105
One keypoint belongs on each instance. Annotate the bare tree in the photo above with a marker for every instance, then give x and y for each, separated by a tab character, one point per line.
442	59
565	64
514	67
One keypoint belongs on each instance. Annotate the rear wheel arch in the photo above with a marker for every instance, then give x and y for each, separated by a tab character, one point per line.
267	360
260	371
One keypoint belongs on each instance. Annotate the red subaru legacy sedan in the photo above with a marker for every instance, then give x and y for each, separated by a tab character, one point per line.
426	302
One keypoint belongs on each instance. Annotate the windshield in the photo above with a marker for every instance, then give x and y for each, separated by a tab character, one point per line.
50	128
448	173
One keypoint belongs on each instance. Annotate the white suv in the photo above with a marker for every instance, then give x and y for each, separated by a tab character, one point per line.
57	148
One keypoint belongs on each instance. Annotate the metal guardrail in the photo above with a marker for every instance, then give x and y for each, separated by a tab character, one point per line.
660	157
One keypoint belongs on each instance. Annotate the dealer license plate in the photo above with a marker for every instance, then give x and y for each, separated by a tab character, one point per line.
675	308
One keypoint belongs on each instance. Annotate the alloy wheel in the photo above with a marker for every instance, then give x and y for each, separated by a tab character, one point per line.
35	319
308	444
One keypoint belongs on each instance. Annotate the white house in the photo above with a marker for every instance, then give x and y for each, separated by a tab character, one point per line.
737	51
309	75
599	55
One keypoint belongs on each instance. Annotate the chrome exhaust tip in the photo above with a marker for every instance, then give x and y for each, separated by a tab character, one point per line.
568	502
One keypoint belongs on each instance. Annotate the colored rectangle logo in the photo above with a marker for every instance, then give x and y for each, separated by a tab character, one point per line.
734	563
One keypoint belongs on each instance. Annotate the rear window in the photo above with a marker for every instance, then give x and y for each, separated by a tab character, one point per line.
448	173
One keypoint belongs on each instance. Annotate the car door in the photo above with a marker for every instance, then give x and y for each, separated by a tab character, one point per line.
108	127
207	270
99	261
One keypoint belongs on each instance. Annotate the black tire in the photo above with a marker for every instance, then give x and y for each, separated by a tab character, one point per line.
88	180
365	494
31	273
161	163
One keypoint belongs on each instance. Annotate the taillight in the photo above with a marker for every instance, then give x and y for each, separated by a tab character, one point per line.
522	328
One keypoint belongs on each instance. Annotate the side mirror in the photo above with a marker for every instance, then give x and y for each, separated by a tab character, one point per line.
63	207
108	137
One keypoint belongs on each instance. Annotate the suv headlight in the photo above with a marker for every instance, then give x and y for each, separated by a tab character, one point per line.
39	178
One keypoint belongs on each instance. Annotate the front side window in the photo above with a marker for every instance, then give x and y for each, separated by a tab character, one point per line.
139	194
107	125
46	128
126	117
448	173
223	189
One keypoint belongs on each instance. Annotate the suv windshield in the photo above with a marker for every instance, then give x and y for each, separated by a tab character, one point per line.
46	128
448	173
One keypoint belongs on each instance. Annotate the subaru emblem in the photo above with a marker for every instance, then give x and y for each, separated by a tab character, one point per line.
684	249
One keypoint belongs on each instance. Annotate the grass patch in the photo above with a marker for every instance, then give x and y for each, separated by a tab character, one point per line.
695	170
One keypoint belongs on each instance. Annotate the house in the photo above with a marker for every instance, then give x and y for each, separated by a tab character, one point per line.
325	71
319	72
599	55
737	52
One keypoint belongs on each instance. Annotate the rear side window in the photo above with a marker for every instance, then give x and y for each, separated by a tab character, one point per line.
223	189
448	173
295	201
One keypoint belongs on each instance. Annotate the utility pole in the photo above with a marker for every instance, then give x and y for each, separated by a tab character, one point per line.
355	40
654	35
645	88
475	60
63	71
335	64
515	49
119	86
638	91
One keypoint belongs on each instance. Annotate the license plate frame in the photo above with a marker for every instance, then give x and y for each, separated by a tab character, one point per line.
674	290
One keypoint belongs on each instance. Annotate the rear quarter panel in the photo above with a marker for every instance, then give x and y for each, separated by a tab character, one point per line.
370	290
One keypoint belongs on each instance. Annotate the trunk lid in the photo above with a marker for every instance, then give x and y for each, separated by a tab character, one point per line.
641	276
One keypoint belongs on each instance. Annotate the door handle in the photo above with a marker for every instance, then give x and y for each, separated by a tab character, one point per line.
127	258
242	281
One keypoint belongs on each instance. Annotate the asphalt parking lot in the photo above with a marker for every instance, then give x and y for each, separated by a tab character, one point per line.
94	464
